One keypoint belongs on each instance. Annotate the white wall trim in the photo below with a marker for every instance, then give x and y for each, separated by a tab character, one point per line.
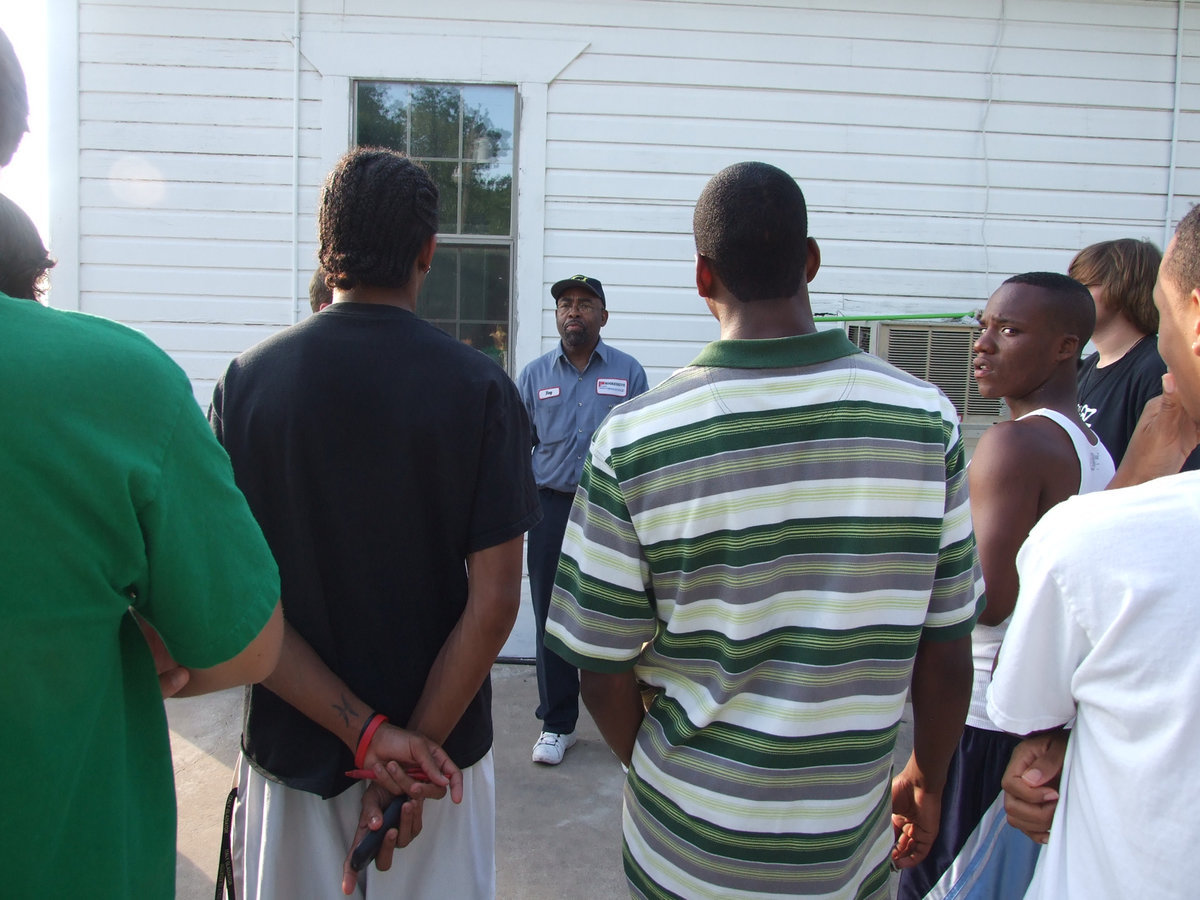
62	33
529	270
439	57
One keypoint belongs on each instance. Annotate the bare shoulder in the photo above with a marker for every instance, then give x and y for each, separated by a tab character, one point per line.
1033	445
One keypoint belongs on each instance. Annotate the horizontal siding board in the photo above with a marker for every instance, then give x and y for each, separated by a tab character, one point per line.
913	198
265	6
953	22
193	224
185	254
205	52
192	310
213	280
133	76
914	253
204	369
236	23
837	109
661	135
182	109
871	223
1112	54
182	338
864	82
226	198
208	168
165	137
935	170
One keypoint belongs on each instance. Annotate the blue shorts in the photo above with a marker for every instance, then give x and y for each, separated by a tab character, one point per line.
976	853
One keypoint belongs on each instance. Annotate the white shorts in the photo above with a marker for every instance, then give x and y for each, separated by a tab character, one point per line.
290	844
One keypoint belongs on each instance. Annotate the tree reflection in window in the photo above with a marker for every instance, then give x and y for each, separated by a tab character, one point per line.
463	136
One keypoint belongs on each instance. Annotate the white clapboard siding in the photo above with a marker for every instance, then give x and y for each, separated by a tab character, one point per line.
942	146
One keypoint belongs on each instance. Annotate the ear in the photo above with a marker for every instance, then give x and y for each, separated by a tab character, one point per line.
705	277
603	316
1193	311
1068	347
425	254
813	262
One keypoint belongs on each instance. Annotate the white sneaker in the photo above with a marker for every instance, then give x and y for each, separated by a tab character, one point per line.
551	748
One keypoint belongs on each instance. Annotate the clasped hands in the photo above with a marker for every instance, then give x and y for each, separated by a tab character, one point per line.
392	753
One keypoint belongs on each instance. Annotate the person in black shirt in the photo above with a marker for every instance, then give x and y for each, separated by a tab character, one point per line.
388	465
1126	371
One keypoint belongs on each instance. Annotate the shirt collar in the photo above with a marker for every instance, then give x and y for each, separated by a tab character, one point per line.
598	351
778	353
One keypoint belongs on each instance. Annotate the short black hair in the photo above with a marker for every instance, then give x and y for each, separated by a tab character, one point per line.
751	223
1182	264
319	292
1074	310
377	209
23	257
14	101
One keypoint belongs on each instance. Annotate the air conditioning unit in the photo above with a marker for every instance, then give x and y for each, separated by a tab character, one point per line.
937	352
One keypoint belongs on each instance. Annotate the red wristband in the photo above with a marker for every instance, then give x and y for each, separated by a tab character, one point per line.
364	740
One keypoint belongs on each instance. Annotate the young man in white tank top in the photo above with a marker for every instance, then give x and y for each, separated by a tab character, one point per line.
1034	328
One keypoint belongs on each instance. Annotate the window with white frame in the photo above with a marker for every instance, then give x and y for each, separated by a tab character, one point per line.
464	136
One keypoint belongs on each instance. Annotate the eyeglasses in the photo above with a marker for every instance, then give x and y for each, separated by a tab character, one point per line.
583	304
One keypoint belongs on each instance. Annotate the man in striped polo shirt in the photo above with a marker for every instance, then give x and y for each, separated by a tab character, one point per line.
777	541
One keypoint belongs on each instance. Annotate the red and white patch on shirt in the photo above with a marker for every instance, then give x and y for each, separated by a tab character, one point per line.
612	387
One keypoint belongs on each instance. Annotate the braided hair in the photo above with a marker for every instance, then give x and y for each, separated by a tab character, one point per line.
377	209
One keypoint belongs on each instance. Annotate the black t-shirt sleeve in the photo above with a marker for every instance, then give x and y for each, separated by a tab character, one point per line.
506	503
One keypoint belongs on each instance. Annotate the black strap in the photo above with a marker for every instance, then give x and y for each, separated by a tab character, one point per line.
225	863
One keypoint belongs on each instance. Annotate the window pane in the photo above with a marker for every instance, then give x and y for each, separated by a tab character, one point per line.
488	122
464	136
489	339
435	121
445	175
382	116
439	293
487	199
485	289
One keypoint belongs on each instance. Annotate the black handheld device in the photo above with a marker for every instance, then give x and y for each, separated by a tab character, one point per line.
368	847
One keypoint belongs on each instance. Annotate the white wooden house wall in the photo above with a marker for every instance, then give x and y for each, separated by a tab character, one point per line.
942	146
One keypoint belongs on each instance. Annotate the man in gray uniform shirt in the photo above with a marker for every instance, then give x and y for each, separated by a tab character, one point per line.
568	392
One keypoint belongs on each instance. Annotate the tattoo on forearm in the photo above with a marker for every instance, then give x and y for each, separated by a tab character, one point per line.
345	709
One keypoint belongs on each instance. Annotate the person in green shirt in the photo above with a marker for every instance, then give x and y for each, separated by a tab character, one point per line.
128	552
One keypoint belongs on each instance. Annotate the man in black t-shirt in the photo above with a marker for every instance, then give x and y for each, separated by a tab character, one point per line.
388	465
1126	371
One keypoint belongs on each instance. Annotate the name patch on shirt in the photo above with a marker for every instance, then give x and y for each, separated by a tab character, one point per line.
547	393
612	387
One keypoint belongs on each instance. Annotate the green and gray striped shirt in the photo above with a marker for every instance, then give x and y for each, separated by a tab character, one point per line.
765	537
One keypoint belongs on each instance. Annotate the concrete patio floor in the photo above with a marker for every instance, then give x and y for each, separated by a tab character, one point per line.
558	829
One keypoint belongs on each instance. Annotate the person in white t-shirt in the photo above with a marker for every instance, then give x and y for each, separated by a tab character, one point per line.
1104	634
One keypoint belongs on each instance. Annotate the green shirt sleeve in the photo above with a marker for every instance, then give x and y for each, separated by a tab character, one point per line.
211	582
